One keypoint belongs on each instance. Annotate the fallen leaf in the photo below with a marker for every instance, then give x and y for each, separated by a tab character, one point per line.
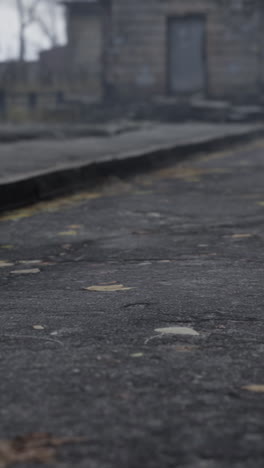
188	174
261	203
241	236
30	262
177	331
136	355
49	206
68	233
254	388
4	264
75	226
7	246
32	448
26	272
109	288
38	327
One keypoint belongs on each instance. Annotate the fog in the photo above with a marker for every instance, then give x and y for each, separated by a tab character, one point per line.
161	60
35	39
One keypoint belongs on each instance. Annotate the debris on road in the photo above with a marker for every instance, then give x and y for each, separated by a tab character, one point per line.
177	331
33	448
108	288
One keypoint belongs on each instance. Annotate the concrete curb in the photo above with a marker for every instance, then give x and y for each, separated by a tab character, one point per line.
35	187
63	132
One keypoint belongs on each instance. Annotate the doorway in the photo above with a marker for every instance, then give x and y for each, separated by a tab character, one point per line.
186	55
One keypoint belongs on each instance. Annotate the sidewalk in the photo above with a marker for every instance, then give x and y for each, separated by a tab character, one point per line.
12	133
131	325
34	170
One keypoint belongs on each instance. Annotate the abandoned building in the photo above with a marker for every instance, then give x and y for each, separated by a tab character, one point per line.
145	48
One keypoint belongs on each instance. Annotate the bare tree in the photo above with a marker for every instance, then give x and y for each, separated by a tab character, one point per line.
26	16
42	13
47	21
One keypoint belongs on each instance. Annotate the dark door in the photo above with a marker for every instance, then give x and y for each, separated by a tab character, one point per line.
187	69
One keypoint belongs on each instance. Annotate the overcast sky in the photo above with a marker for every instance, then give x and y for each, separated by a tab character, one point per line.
9	32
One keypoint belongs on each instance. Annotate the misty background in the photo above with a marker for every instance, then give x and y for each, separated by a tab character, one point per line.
37	34
164	60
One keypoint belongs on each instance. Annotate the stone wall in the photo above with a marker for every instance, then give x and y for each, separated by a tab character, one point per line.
14	75
235	49
53	67
234	46
85	34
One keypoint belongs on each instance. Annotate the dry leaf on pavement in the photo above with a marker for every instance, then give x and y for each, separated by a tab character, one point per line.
26	272
30	262
32	448
108	284
108	288
177	331
254	388
242	236
4	264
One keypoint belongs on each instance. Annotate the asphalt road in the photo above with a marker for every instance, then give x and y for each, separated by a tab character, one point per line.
160	363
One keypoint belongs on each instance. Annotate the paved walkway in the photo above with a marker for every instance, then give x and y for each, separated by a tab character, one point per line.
24	159
132	316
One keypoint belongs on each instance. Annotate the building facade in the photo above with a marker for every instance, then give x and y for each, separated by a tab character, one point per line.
145	48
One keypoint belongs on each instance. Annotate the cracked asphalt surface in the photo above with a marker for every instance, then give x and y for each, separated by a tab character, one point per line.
188	241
